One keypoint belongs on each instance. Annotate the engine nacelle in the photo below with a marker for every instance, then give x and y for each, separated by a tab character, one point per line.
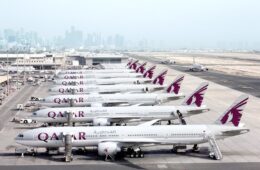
108	148
101	122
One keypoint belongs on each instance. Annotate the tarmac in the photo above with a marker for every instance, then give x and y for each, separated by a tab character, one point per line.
246	84
239	152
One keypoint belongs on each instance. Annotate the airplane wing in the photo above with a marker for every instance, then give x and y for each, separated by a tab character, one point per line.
133	141
96	105
149	123
114	103
109	92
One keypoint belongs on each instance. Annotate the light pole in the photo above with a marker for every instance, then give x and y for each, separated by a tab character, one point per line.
24	70
7	61
17	70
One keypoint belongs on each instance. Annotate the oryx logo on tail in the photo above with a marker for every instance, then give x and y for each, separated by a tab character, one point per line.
133	65
160	78
149	72
197	96
141	68
234	113
175	85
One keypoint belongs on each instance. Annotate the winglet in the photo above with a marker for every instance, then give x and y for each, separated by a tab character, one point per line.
160	78
234	113
149	72
141	68
196	97
133	65
175	86
149	123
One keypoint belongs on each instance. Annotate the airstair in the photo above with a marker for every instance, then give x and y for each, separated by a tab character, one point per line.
180	117
214	148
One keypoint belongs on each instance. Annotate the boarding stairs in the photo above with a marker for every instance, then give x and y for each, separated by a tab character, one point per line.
214	148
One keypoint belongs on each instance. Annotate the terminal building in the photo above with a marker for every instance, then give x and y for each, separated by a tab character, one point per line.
38	61
90	59
104	58
57	60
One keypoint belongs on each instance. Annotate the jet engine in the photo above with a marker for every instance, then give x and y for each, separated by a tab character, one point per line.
108	149
101	122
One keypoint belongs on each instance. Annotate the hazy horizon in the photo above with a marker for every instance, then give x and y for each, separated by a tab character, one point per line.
177	23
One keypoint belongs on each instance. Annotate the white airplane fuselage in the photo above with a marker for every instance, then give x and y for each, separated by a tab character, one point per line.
127	135
115	99
62	72
99	75
117	88
67	82
115	114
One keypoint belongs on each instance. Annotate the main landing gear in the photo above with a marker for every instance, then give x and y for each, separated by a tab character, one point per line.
195	148
134	153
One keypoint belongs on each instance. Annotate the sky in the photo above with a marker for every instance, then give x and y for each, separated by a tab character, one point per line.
191	23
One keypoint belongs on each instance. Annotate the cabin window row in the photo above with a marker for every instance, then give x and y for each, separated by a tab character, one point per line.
142	135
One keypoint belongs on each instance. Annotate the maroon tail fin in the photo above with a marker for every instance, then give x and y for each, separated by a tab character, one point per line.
149	72
234	113
133	65
141	68
160	78
196	97
175	86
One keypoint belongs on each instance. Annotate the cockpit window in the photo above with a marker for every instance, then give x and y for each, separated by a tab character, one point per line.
34	114
20	135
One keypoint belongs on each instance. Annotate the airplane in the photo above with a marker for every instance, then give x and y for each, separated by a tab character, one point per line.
113	140
171	93
135	80
157	84
141	68
168	61
96	71
104	116
197	67
133	64
99	75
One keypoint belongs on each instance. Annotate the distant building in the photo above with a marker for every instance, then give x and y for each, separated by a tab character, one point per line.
94	59
38	61
86	58
73	38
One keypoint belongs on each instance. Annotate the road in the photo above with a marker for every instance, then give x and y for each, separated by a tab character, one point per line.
127	166
8	109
